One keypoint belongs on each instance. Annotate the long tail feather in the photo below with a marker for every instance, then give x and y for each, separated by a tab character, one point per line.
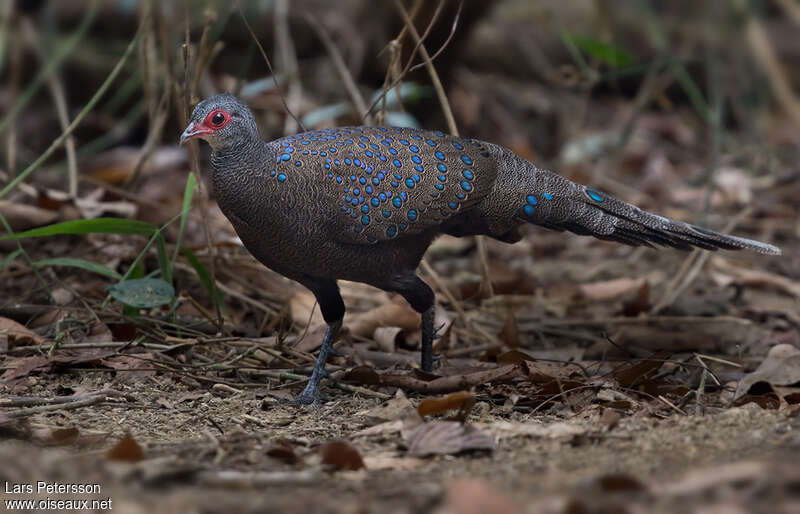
558	204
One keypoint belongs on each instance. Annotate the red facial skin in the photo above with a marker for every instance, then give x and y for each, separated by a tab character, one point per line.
208	126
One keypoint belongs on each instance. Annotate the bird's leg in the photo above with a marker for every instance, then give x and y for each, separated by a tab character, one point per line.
428	335
332	306
421	298
311	393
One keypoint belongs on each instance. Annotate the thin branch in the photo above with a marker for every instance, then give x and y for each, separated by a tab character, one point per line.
338	62
269	67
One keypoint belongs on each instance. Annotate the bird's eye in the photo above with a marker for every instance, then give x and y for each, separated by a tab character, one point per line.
217	119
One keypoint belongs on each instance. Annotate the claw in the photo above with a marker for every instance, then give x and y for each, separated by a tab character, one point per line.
309	396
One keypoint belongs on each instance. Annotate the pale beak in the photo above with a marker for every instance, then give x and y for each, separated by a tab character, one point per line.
194	130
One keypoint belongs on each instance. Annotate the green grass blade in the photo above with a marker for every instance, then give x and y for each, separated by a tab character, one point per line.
8	259
79	263
604	52
205	278
93	226
188	195
164	263
78	119
50	66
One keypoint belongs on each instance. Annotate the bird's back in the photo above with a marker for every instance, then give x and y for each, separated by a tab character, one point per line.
381	183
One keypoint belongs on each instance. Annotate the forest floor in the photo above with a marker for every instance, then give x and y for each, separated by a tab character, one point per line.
567	404
576	376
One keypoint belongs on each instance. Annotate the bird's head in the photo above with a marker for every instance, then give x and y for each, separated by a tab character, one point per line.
223	121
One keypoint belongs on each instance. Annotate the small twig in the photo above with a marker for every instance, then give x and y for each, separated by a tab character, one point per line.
672	405
194	160
449	37
272	72
60	100
288	62
257	479
30	401
77	404
437	84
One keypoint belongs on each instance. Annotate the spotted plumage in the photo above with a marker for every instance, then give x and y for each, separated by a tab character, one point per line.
364	203
383	180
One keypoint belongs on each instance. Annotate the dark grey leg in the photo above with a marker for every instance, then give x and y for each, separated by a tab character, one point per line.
428	334
421	299
330	303
311	393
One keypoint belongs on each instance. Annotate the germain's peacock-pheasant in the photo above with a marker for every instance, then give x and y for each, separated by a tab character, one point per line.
364	203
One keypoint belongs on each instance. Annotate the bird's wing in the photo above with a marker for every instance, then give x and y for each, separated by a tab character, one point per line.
386	183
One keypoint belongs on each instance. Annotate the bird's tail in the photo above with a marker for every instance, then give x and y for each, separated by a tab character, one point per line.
556	203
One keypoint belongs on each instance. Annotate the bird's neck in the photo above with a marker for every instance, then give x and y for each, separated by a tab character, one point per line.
239	173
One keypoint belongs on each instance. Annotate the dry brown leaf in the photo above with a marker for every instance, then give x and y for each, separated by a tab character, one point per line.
610	289
640	303
55	436
22	217
127	449
730	273
609	419
392	462
19	368
447	438
558	430
398	407
781	367
341	455
388	338
282	450
462	401
13	334
364	324
300	307
513	357
510	332
474	496
631	373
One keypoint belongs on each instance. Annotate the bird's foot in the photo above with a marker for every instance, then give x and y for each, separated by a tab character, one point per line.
309	396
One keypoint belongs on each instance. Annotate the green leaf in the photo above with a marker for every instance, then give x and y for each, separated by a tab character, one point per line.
143	293
607	53
79	263
93	226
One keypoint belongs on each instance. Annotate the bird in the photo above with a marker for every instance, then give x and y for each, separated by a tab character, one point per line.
363	204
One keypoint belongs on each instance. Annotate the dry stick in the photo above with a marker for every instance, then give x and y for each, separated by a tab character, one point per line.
23	413
288	61
449	37
284	100
771	66
341	68
31	401
60	100
231	292
194	160
792	9
394	44
483	256
15	75
672	405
